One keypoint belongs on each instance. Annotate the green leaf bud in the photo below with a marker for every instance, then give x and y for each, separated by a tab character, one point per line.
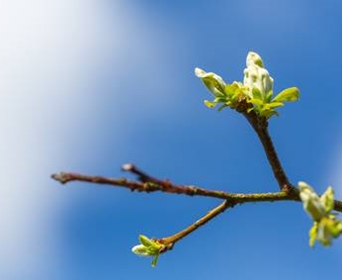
148	248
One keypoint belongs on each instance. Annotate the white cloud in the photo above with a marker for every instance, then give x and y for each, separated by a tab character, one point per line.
49	54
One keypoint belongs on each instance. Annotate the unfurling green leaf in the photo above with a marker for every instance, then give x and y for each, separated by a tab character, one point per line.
328	228
212	81
209	104
255	101
289	94
327	199
256	93
313	234
275	104
144	240
311	202
269	96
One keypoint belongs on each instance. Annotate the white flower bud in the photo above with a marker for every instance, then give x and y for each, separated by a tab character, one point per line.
254	59
256	76
140	250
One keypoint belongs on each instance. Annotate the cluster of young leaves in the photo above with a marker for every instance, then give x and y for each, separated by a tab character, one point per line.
256	88
148	248
326	226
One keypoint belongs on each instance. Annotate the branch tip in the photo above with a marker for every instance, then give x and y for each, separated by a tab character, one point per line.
127	167
61	177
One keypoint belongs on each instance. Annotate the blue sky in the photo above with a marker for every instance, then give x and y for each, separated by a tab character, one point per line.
89	85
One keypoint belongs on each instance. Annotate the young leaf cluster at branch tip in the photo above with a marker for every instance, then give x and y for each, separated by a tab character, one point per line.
256	89
148	248
326	226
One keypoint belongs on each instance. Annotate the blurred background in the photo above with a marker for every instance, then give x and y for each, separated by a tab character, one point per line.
89	85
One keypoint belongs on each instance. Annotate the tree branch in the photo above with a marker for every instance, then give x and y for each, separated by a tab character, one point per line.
168	187
260	125
171	240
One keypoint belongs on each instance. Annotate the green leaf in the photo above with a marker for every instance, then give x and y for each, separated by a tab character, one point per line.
209	104
335	228
313	234
289	94
269	96
257	94
155	261
255	101
327	199
274	104
324	231
268	112
212	81
221	99
229	89
222	107
144	240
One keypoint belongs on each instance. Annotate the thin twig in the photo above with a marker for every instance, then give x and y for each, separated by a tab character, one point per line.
171	240
142	176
